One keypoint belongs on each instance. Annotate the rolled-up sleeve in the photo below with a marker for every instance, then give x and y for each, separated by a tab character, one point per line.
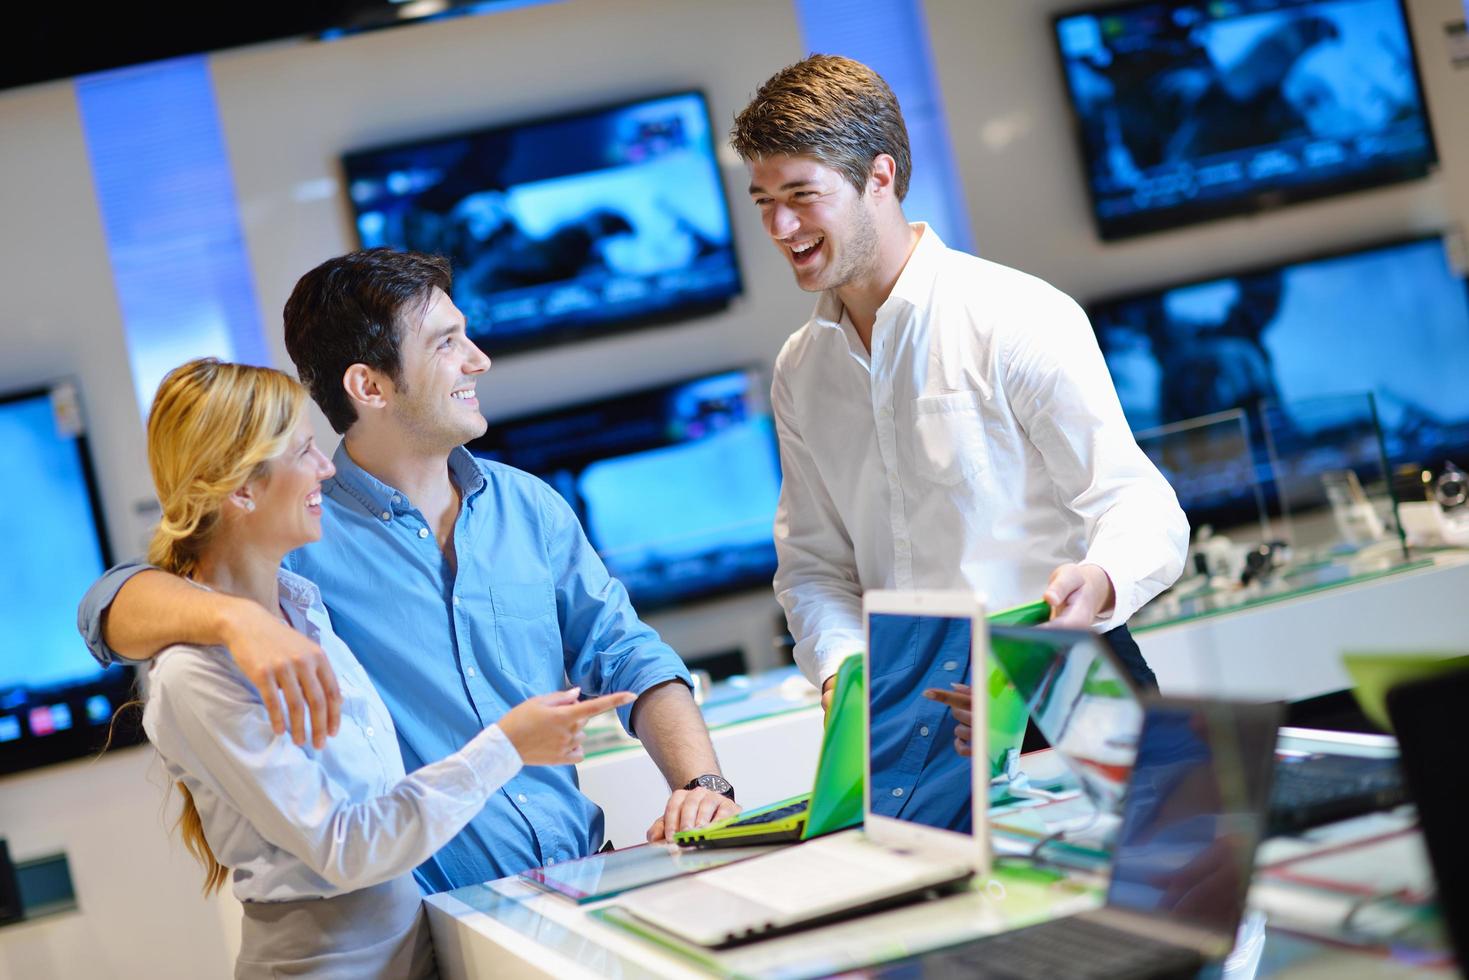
1063	395
606	646
92	611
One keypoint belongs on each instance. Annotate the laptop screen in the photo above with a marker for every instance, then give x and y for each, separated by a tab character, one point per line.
1080	699
917	774
1195	812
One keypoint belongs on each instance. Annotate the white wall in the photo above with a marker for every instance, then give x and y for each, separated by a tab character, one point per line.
290	109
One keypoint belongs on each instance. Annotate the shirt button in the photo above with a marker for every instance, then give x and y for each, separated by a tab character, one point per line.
923	730
397	499
386	515
951	665
368	731
456	600
522	798
898	791
423	532
469	671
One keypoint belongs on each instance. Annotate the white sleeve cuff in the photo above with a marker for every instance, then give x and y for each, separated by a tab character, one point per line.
493	758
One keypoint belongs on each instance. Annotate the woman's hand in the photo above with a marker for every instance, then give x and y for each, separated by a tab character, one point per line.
547	730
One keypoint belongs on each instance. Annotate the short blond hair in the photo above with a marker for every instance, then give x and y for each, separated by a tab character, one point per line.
831	108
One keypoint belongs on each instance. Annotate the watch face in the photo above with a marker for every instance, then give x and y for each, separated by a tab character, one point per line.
715	784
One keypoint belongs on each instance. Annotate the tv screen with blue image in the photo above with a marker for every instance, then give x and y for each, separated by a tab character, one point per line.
55	701
561	229
676	486
1194	110
1392	320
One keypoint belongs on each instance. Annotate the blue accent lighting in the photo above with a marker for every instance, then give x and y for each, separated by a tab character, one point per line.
167	200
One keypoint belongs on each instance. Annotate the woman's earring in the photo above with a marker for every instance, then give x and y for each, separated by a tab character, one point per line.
249	505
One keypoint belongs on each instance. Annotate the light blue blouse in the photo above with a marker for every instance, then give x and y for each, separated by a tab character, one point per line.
295	822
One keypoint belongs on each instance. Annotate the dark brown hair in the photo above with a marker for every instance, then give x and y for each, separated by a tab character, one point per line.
352	310
832	108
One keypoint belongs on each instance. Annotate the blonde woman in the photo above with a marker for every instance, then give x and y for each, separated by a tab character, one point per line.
319	844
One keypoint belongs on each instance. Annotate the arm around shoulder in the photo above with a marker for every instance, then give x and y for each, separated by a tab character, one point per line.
151	609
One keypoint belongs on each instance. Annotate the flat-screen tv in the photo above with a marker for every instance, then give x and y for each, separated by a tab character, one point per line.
55	701
565	228
1198	109
1392	320
676	486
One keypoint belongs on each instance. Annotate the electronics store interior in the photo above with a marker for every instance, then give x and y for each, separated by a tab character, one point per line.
667	661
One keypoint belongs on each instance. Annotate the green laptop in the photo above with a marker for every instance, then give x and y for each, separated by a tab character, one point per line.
835	801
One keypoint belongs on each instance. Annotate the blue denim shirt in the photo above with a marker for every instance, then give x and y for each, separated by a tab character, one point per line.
531	610
916	773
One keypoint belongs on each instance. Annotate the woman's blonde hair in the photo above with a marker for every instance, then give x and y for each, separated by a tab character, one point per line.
212	429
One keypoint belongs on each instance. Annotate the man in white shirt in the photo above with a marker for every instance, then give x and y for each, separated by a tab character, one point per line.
944	422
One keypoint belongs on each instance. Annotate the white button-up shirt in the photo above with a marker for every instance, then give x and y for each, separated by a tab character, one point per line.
979	445
295	822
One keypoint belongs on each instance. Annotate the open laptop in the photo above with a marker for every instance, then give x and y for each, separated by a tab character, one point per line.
1084	702
1427	716
924	805
1193	818
835	800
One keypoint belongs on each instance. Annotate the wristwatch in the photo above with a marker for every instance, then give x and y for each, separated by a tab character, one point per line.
713	783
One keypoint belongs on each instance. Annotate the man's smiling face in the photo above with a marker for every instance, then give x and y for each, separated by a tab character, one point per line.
818	220
435	401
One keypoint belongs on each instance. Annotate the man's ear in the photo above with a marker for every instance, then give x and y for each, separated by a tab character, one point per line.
367	388
882	182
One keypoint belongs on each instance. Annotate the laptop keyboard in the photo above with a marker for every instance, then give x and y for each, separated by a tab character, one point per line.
1320	789
772	816
1072	948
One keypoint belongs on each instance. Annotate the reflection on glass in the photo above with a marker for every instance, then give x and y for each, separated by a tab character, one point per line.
1211	464
1327	450
916	773
600	875
1194	812
1079	700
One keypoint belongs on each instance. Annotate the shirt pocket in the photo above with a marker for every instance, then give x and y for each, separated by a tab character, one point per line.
949	444
529	634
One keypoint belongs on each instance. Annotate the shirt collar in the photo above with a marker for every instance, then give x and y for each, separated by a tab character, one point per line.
913	283
916	280
297	590
380	498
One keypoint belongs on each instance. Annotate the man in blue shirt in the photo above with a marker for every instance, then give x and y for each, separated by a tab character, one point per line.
463	586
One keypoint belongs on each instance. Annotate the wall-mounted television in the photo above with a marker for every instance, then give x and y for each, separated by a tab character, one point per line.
55	701
564	228
1200	109
676	486
1392	319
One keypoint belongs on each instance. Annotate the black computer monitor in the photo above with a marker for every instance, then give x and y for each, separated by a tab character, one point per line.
1197	109
562	228
55	701
1392	319
676	486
